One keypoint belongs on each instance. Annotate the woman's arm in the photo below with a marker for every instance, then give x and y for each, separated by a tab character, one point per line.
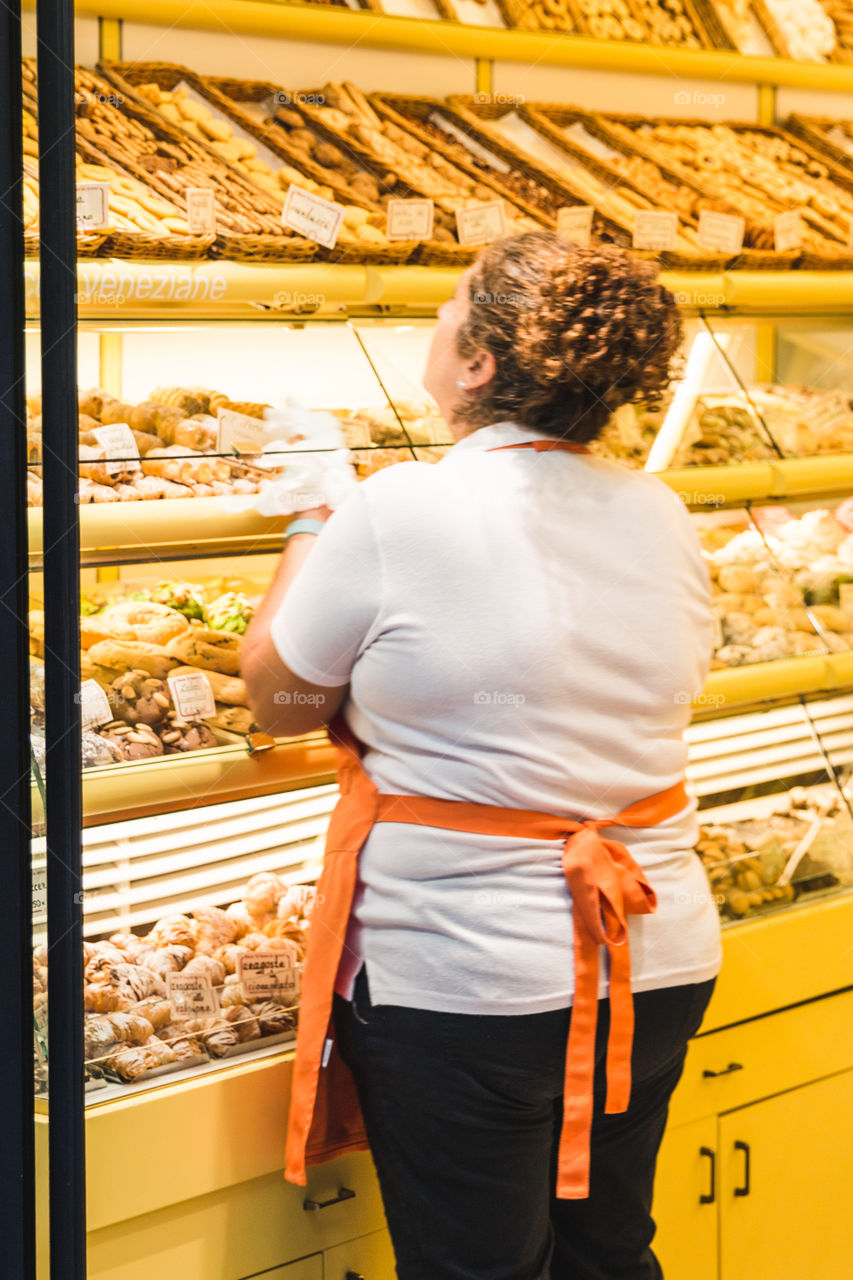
283	704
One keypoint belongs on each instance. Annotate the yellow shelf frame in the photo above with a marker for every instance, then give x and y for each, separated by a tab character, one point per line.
366	28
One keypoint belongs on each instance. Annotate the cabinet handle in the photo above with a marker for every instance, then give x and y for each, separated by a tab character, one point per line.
353	1275
711	1194
726	1071
744	1147
344	1193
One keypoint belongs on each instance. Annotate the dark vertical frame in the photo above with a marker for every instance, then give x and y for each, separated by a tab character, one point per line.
17	1160
55	26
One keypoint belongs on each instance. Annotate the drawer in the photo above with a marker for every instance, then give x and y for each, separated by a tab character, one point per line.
731	1068
305	1269
370	1258
244	1229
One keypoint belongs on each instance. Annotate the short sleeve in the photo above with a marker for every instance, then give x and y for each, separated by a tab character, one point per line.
331	608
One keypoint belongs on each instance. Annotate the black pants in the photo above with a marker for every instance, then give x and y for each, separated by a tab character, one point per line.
463	1114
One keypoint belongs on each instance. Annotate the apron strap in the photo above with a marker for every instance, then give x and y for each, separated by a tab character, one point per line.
542	446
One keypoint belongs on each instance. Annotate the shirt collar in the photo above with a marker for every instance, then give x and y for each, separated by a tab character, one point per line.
492	437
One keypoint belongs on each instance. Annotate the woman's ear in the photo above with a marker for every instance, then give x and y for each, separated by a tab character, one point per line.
480	369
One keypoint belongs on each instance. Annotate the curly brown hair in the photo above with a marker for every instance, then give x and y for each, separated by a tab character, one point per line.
575	333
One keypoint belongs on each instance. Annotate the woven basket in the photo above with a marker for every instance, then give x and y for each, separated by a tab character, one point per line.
530	15
568	192
812	131
842	261
771	29
711	25
436	253
263	248
619	130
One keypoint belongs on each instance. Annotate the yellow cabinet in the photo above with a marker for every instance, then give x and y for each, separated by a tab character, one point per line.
368	1258
306	1269
786	1170
685	1205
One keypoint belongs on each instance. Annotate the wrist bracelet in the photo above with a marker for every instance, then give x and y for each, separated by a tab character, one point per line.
302	526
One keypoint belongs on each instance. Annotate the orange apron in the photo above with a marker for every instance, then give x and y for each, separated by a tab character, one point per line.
606	885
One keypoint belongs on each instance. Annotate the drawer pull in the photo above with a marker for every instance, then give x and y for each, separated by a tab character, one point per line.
744	1147
709	1197
353	1275
344	1193
726	1071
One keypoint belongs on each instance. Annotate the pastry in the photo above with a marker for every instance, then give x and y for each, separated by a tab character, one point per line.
130	1028
273	1017
97	750
194	736
168	959
148	621
244	1022
231	612
185	597
137	698
123	655
130	1063
210	650
103	997
178	930
217	1035
210	968
215	927
134	742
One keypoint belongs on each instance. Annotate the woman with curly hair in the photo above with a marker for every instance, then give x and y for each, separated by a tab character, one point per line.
513	940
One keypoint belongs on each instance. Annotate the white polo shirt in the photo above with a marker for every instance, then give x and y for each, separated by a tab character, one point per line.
522	629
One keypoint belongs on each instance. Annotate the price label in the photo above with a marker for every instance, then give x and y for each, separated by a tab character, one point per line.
721	232
39	893
238	433
191	995
94	705
575	223
410	219
828	412
192	695
93	206
117	442
655	231
481	223
264	973
312	216
201	211
788	231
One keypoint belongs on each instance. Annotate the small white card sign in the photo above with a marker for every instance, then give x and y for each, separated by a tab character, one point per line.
201	210
575	223
192	695
409	219
94	705
829	411
481	223
312	216
93	206
267	972
119	444
239	433
191	995
721	232
788	231
654	230
39	894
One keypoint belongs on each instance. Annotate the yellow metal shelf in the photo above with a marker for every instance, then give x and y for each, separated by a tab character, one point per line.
774	681
452	39
117	293
175	783
709	488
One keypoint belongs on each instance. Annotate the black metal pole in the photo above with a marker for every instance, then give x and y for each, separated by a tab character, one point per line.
55	26
17	1160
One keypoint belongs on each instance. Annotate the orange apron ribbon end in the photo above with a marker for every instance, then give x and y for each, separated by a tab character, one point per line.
607	886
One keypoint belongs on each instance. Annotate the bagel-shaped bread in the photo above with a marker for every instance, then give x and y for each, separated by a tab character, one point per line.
153	623
211	650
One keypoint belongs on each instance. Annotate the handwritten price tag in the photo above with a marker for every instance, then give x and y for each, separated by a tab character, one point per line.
201	210
481	223
39	893
788	231
575	223
191	995
312	216
655	231
410	219
268	973
118	442
238	433
192	695
828	412
94	704
721	232
93	206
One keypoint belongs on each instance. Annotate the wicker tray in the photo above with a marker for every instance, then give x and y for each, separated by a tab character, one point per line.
266	241
813	132
531	15
228	96
619	130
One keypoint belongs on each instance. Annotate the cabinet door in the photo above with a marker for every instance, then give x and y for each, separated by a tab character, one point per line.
685	1205
306	1269
785	1190
368	1258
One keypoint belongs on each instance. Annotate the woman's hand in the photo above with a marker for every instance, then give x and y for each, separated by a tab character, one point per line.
313	513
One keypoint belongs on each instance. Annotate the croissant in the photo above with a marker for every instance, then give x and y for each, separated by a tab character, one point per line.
245	1022
216	1034
103	997
173	930
215	927
213	969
